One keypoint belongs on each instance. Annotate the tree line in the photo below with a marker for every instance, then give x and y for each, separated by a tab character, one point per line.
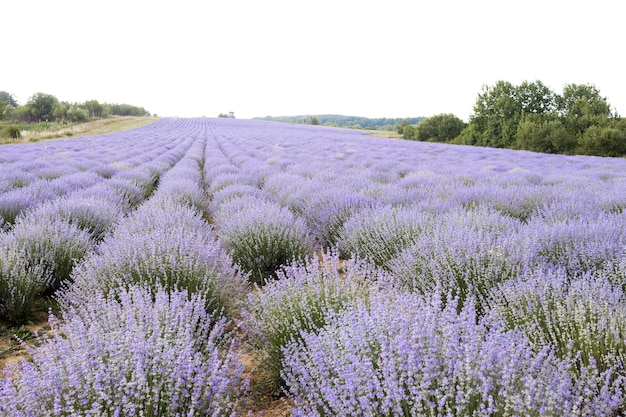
531	116
42	107
354	122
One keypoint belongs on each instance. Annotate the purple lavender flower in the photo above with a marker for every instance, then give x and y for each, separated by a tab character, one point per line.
460	253
262	236
95	215
52	242
378	234
583	317
302	299
144	353
161	246
407	355
20	282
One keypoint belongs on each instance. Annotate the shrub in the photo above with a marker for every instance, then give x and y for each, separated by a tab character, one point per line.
326	210
167	247
97	216
12	132
463	254
15	201
20	283
51	242
378	234
407	356
583	318
579	245
300	300
150	353
262	236
184	190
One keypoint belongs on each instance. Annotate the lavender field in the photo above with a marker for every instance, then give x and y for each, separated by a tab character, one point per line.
364	276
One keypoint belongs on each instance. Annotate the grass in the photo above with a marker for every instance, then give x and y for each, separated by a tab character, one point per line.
35	132
391	134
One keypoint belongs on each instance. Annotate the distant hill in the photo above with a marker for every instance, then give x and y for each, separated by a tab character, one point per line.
354	122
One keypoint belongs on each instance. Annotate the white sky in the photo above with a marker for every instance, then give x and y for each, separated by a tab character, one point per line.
270	57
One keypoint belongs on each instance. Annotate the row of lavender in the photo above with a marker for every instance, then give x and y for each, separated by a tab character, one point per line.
145	317
511	264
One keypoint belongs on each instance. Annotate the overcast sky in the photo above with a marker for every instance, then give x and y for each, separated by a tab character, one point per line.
268	57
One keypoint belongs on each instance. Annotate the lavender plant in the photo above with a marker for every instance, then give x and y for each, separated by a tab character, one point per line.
300	300
160	246
20	283
15	201
97	216
52	242
148	354
579	245
378	234
262	236
406	355
326	210
583	318
464	254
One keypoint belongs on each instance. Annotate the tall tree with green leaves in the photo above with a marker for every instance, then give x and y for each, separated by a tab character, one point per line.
42	106
8	99
581	107
495	118
439	128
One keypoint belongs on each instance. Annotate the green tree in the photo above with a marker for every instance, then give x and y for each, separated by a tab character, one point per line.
76	114
409	132
42	106
60	111
8	99
22	113
94	108
401	125
495	118
608	140
7	103
581	107
549	136
439	128
314	120
535	98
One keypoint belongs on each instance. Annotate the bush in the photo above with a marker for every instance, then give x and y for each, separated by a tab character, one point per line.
53	243
464	254
94	215
301	299
150	353
12	132
407	356
583	318
378	234
160	247
262	236
604	141
20	283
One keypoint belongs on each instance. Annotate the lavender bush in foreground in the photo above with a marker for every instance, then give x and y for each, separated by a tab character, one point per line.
262	236
378	234
464	254
20	282
95	215
408	356
52	242
584	317
300	300
146	355
161	246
